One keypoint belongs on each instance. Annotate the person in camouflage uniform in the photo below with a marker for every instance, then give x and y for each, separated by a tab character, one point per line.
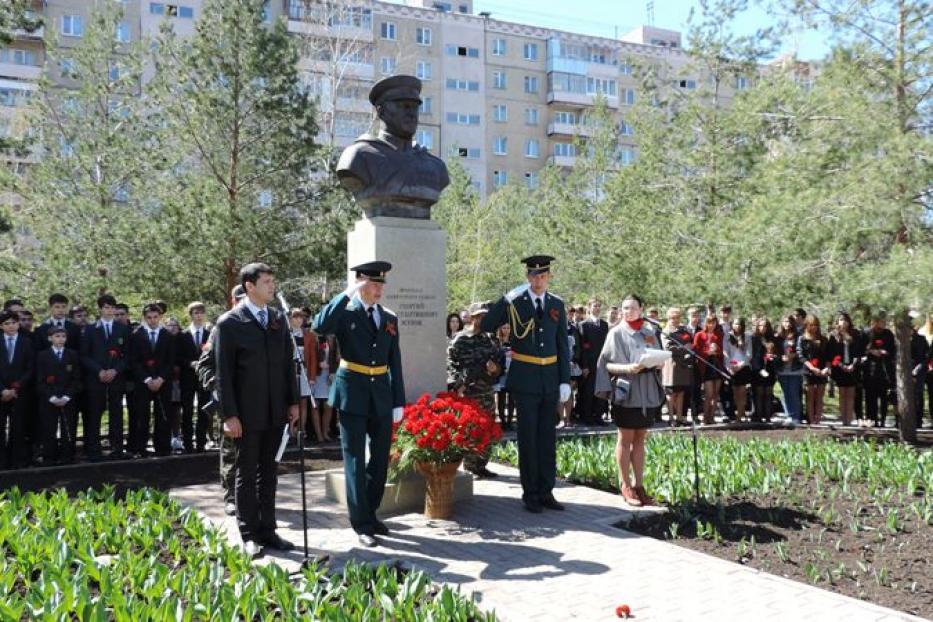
472	370
206	370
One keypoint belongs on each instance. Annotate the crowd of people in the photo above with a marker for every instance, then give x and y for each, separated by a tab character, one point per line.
127	382
726	368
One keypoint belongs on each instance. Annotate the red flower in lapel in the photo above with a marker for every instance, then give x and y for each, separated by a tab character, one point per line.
555	314
390	328
114	353
15	385
50	380
150	362
587	345
274	324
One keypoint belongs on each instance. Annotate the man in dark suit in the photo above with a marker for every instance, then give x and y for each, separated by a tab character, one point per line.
539	376
368	391
17	366
190	344
58	381
152	358
104	359
256	382
58	316
593	333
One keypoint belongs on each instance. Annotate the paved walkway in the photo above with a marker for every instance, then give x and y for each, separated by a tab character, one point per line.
555	566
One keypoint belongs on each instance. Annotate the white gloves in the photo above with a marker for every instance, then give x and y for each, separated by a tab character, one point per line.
354	287
397	414
516	292
564	392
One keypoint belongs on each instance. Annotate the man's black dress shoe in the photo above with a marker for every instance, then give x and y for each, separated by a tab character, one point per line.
551	503
533	506
485	473
368	540
229	508
275	541
381	529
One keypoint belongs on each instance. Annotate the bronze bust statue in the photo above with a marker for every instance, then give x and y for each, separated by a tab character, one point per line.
387	175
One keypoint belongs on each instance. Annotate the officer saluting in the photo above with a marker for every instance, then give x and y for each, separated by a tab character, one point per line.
538	377
368	391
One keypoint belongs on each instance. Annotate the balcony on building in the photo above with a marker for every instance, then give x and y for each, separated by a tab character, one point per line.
16	71
562	160
566	128
579	72
330	20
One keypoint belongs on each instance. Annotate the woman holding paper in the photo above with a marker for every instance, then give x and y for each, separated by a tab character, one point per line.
634	391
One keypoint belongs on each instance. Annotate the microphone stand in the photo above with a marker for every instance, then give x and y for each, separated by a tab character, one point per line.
693	424
299	359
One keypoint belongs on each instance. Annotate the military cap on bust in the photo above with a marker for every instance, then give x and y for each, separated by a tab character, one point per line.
538	264
395	88
375	271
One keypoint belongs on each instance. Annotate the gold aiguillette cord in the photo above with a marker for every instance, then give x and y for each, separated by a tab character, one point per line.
520	329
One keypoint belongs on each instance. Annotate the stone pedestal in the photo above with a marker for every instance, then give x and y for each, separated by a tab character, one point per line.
416	291
401	497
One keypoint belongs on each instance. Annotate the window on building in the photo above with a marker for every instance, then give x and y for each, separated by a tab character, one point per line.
19	57
425	138
427	103
464	8
461	118
498	79
500	113
741	83
72	25
685	84
530	51
387	65
114	72
498	47
626	156
531	180
461	50
186	12
423	36
531	116
122	32
566	118
387	30
601	86
626	69
267	11
462	85
471	153
568	150
531	84
500	145
170	10
626	129
628	97
67	66
500	178
443	7
423	70
532	148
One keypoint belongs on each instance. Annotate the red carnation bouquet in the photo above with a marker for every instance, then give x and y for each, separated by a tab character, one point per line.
443	429
837	361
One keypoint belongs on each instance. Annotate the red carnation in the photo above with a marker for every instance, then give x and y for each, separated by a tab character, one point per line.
555	314
837	361
623	611
390	328
878	343
769	357
815	362
50	380
114	353
587	345
789	349
150	362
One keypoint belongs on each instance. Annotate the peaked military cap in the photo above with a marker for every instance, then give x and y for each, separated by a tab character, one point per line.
538	264
395	88
374	270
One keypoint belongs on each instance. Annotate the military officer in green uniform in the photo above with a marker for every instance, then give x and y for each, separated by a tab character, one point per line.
368	390
472	370
539	376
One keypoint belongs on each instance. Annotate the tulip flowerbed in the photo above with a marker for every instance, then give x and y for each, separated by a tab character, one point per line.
143	557
854	517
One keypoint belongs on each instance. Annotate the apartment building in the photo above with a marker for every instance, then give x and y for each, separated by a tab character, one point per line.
504	99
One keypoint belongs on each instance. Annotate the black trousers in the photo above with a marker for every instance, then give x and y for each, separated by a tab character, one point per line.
537	443
12	421
256	480
876	402
591	408
151	405
191	393
59	428
103	397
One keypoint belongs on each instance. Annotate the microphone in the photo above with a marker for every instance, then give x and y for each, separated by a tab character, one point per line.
651	321
283	302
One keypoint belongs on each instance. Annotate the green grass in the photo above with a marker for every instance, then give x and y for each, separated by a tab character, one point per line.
144	557
729	466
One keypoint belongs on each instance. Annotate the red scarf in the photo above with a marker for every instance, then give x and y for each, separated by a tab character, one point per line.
637	324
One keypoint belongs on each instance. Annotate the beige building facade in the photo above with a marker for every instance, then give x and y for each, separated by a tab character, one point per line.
504	99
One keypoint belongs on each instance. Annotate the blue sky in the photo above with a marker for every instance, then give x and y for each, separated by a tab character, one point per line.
606	18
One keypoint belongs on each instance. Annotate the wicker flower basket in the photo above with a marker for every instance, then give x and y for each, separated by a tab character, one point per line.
439	487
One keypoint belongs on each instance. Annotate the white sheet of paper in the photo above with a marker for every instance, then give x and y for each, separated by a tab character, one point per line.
654	358
278	454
